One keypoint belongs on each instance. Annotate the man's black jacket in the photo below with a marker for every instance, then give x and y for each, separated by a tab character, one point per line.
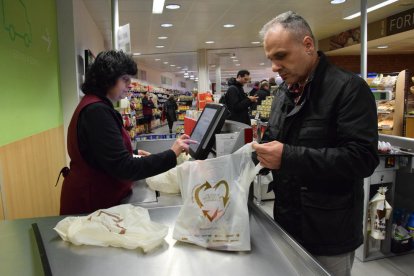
238	103
330	144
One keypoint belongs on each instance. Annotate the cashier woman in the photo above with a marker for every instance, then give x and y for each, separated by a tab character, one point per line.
320	144
102	165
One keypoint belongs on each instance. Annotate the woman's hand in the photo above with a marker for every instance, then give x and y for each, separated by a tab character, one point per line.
143	153
182	144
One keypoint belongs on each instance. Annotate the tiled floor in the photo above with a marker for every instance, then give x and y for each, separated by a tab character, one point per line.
399	266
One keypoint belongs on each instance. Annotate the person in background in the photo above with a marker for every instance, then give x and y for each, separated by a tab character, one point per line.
147	106
236	99
263	92
255	88
170	108
272	85
272	81
320	144
102	166
194	105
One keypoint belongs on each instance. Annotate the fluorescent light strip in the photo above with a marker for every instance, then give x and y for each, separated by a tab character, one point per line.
373	8
157	6
173	6
335	2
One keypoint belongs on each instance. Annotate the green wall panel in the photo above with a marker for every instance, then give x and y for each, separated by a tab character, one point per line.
29	69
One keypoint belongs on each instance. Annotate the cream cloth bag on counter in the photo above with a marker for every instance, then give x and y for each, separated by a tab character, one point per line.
215	193
124	226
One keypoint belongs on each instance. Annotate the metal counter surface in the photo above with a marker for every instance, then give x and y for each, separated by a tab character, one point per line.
271	254
18	250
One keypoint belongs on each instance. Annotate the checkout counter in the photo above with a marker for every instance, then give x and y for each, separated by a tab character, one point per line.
32	247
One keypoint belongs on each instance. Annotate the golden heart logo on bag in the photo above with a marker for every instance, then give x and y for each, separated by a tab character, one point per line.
212	200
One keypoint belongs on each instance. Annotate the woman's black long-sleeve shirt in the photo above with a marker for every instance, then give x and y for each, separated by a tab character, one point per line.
101	145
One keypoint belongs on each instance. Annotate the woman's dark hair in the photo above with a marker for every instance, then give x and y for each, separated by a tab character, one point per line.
105	71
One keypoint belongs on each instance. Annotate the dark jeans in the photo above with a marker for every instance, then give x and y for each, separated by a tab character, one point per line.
170	124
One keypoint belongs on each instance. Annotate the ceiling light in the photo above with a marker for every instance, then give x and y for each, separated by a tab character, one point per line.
186	77
213	65
210	42
157	6
373	8
159	46
229	25
237	64
157	59
173	6
255	42
262	63
382	47
162	37
167	25
334	2
233	57
235	60
172	65
136	54
165	62
178	67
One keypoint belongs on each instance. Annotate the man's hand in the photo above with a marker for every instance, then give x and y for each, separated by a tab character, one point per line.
269	154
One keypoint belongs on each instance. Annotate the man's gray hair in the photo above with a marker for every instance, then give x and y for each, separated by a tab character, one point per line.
290	21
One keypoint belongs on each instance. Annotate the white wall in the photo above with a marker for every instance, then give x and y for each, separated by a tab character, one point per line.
87	34
76	32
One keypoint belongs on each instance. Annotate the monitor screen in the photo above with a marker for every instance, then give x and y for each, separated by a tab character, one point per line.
210	122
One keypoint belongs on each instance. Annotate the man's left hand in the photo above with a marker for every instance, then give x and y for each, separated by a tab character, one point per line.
269	154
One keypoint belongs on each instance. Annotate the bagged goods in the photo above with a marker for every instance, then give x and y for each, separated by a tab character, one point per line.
215	192
124	226
379	211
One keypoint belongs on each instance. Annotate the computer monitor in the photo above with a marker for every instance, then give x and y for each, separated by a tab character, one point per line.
210	122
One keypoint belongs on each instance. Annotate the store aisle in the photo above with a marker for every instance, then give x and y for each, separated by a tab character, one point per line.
164	129
395	266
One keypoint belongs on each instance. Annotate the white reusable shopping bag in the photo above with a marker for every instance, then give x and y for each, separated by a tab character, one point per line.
124	226
215	194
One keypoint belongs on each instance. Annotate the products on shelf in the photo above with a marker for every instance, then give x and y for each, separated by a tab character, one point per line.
402	231
264	108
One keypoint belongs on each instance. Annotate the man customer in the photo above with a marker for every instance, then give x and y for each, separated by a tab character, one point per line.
320	144
236	99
